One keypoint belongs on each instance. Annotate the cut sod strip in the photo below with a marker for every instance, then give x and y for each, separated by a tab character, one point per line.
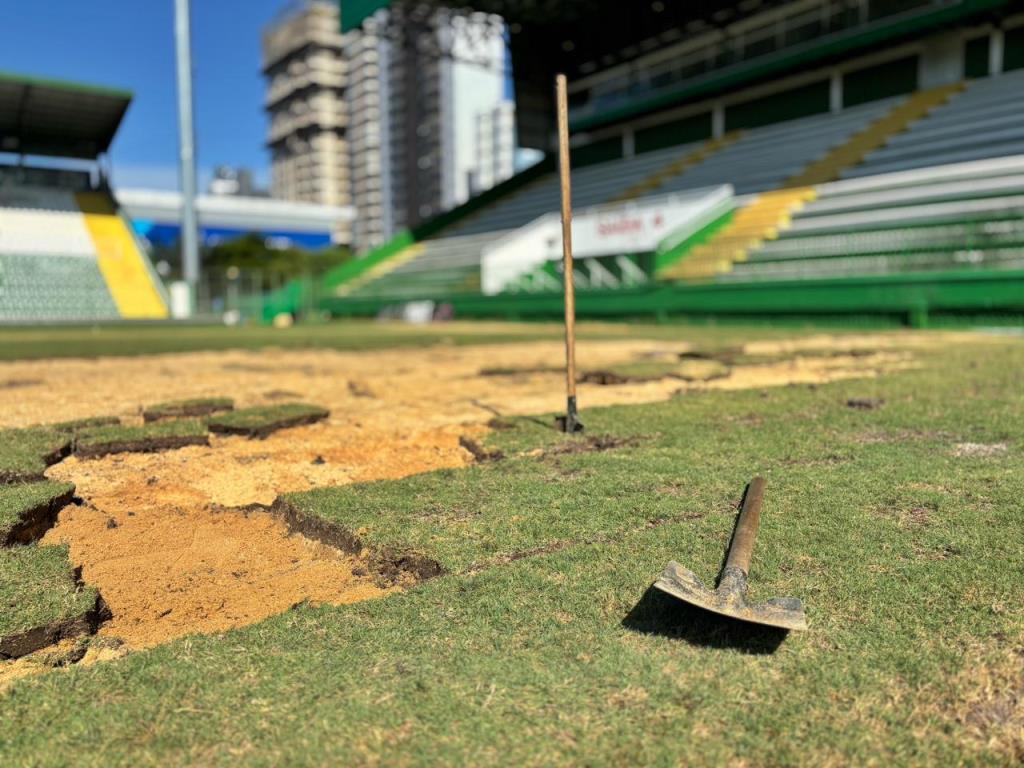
632	373
41	602
26	453
262	421
163	436
28	510
177	409
77	425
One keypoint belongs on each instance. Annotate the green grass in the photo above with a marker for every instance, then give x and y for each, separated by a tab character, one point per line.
266	418
37	587
905	547
126	340
196	406
25	453
17	500
117	438
77	425
695	370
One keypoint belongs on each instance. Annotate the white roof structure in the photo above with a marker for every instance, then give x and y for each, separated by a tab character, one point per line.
231	212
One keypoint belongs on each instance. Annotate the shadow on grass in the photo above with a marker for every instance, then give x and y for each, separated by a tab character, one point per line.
661	614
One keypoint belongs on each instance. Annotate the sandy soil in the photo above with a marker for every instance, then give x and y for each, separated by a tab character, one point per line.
154	536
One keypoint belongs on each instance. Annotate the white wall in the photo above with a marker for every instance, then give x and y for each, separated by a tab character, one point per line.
475	87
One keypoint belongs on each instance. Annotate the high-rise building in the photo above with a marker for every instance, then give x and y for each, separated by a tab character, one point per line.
306	83
229	181
366	54
416	85
383	117
495	147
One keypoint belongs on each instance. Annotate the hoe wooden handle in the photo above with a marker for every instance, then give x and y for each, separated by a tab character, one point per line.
565	180
742	546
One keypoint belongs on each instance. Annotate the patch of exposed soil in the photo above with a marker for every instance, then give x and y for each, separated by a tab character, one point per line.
419	388
172	566
980	450
155	540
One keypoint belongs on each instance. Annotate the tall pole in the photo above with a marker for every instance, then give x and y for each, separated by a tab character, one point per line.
187	153
572	422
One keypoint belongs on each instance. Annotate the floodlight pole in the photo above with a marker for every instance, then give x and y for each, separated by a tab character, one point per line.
187	152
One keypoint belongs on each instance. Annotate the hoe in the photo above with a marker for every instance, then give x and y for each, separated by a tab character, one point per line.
730	598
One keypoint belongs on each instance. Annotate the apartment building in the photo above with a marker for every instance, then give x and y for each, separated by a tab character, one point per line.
495	147
384	117
306	78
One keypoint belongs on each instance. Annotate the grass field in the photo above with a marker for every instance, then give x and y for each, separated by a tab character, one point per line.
893	510
119	340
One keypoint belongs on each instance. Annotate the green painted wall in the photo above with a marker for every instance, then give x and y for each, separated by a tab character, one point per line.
904	298
976	57
797	102
597	152
1013	49
893	78
674	133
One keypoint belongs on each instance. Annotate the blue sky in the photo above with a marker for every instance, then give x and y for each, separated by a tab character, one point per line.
130	44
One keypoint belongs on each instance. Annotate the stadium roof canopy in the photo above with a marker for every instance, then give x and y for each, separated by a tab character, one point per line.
56	118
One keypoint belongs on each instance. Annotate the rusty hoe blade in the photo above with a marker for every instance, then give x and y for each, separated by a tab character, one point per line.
730	598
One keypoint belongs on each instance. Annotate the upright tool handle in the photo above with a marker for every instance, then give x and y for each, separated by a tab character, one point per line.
742	547
562	102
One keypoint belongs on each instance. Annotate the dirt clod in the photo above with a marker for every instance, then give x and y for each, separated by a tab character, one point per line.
20	383
592	444
479	453
606	378
359	389
865	403
281	394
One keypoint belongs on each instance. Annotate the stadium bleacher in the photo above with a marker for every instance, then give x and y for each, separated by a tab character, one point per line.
814	127
764	158
67	252
60	263
756	160
921	130
48	266
982	121
961	216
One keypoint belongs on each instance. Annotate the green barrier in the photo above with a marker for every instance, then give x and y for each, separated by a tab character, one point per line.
907	298
666	257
